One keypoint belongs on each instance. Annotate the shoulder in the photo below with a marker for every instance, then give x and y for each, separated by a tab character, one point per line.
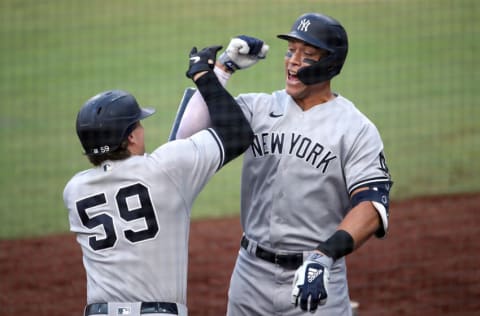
262	102
72	185
255	97
202	145
172	154
352	113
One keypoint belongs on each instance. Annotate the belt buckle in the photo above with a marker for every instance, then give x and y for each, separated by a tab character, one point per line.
289	261
158	308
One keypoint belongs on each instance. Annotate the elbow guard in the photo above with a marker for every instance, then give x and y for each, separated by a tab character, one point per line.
378	194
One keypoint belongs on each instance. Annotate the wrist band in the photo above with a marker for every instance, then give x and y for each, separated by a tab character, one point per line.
338	245
227	62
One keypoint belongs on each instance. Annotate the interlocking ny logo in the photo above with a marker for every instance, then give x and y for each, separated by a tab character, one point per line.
303	26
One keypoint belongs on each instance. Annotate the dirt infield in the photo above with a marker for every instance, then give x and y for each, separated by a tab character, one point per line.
428	265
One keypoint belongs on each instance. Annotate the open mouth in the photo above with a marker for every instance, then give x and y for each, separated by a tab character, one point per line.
292	76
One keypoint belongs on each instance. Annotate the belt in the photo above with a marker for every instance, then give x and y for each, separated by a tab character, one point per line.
145	308
289	261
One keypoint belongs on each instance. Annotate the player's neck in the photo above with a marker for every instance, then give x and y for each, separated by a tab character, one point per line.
315	95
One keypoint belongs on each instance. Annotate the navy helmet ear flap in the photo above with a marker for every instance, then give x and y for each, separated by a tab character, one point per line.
324	69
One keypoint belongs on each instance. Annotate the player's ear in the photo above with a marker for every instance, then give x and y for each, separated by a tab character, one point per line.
135	140
132	136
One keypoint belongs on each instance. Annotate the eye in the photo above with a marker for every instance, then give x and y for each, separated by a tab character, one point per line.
289	54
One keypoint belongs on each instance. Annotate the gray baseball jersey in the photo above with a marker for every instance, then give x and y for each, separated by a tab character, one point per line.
132	219
296	180
302	166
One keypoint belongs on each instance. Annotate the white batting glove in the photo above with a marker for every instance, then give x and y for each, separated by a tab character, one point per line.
310	283
243	52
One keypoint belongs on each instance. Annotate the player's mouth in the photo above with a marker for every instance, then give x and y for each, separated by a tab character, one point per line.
292	77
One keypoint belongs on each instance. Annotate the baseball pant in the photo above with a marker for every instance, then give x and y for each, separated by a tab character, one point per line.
135	309
258	287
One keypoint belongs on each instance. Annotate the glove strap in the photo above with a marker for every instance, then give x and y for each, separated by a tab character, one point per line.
227	62
324	260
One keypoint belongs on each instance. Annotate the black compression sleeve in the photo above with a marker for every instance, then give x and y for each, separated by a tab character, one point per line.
227	118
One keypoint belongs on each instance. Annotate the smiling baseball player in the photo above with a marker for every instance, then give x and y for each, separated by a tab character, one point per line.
315	184
131	211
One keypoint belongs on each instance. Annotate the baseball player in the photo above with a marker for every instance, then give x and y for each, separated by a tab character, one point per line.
131	211
315	184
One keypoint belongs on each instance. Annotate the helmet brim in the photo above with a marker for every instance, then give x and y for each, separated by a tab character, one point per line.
146	112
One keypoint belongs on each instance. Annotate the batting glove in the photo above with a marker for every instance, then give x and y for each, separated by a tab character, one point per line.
310	283
203	60
242	52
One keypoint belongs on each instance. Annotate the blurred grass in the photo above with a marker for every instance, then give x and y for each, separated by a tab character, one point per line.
411	68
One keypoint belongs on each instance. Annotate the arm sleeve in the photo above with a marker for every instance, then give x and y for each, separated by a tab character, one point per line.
227	118
196	116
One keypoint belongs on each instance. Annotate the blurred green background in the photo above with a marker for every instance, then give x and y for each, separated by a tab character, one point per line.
412	68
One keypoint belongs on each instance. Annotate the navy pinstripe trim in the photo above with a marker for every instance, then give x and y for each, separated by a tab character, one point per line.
220	146
363	183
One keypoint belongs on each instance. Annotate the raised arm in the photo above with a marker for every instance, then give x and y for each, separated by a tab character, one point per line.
242	52
226	117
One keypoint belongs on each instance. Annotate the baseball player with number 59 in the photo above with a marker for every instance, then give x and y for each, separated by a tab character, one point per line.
131	210
315	184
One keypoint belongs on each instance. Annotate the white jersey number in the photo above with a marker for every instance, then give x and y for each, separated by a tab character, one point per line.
145	211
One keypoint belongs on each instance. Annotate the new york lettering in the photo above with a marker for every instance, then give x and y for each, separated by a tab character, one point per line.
292	144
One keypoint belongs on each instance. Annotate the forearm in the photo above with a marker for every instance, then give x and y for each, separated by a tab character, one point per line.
226	116
355	229
361	223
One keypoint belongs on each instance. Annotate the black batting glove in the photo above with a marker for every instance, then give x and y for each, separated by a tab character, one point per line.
203	60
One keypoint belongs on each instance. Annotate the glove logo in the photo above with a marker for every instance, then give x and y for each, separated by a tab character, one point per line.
195	59
312	274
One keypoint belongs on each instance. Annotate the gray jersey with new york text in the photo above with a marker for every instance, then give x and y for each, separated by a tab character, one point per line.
302	166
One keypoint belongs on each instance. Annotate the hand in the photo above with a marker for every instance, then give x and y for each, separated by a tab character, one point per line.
203	60
310	283
242	52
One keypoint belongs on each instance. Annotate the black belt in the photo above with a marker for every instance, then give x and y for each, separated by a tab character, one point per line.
289	261
145	308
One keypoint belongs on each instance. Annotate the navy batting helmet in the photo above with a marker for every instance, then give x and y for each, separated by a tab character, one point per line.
106	120
323	32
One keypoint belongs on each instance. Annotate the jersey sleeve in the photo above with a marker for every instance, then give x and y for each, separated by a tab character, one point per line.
366	166
365	161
